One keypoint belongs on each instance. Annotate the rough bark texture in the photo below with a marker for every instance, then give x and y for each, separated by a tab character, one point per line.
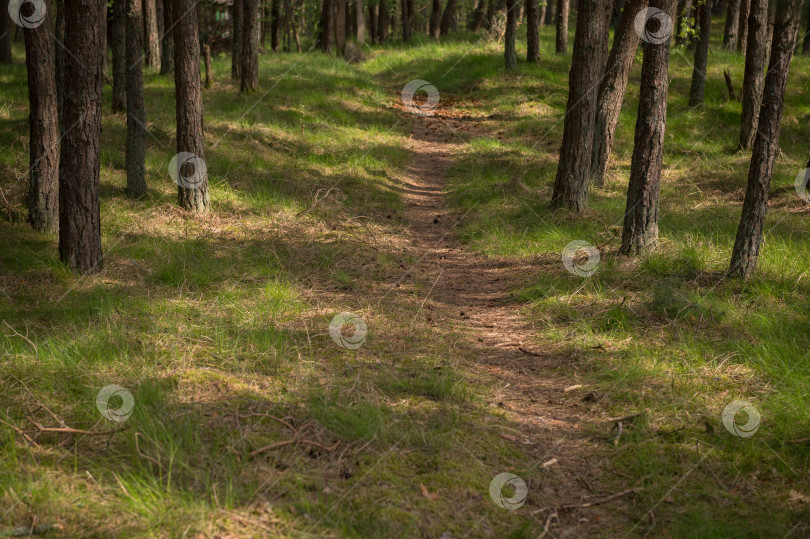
562	26
806	42
59	32
551	11
167	40
640	231
79	210
448	17
587	68
118	33
684	13
209	73
755	60
543	7
151	37
732	24
510	56
383	22
136	114
742	40
532	31
250	46
189	117
236	38
43	180
435	18
6	27
704	24
752	223
612	88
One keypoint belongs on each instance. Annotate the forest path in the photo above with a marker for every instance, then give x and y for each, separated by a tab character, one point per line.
472	294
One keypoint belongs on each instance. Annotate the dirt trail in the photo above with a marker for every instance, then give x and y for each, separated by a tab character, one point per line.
475	291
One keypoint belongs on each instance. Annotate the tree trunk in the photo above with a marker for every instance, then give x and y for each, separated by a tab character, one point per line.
406	18
612	88
510	56
750	231
754	79
43	182
236	38
541	18
263	22
275	23
167	40
435	18
373	17
732	24
209	73
532	31
59	56
152	40
119	50
340	26
684	14
136	114
640	231
551	11
6	27
704	24
478	15
742	25
250	46
562	26
79	208
448	18
587	68
192	185
360	17
382	25
806	41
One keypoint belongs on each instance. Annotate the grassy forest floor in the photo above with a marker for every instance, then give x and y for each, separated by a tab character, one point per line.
321	186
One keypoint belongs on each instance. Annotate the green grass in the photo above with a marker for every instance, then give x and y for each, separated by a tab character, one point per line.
216	323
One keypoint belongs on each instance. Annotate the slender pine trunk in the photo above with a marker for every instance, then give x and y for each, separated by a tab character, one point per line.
704	24
754	80
562	26
532	31
136	114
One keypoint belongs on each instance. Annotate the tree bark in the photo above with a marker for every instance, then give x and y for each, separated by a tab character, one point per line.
340	26
136	114
275	19
79	208
250	46
752	223
60	64
742	41
754	80
510	56
587	68
236	38
532	31
551	12
542	9
435	18
406	18
478	15
704	24
43	181
209	73
684	13
562	26
373	17
732	24
448	17
640	231
167	40
806	41
612	88
382	25
360	17
6	28
118	33
192	186
152	40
